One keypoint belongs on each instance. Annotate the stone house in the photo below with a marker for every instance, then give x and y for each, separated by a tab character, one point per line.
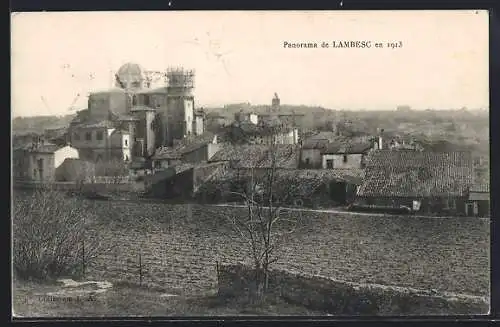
343	156
40	161
193	149
427	182
101	141
311	147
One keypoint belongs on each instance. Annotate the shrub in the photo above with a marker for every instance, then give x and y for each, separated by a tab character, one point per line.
51	237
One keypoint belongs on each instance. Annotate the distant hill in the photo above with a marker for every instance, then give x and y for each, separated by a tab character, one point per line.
38	124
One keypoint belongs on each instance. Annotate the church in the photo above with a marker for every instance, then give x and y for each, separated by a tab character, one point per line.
133	119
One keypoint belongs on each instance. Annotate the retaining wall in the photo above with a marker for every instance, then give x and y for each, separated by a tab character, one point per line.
346	298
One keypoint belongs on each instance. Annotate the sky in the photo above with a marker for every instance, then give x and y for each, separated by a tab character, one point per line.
240	57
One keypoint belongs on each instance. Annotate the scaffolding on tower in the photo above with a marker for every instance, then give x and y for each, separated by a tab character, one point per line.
180	78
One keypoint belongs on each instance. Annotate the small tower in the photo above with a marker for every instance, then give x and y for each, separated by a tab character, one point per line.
275	104
180	104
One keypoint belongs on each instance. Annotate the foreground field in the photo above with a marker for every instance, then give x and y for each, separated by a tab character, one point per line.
179	246
140	302
176	247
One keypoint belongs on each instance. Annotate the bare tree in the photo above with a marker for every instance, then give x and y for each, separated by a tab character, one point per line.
52	235
265	227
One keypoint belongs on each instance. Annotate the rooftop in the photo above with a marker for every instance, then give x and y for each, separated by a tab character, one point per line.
258	156
97	124
417	174
39	147
186	145
346	148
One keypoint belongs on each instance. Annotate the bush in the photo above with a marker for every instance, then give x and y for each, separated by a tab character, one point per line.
51	237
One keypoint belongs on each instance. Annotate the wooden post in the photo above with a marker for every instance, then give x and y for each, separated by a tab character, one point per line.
140	267
83	257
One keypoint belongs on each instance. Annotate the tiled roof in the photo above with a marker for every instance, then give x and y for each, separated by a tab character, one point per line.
314	144
259	156
99	124
186	145
166	153
40	148
329	142
416	174
354	176
331	136
418	159
192	143
346	148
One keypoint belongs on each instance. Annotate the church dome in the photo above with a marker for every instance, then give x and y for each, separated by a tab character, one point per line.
130	75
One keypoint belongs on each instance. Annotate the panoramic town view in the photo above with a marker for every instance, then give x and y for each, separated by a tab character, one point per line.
143	201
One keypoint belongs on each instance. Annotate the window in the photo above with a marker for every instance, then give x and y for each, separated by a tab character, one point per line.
146	100
345	158
329	163
100	135
134	100
88	136
308	161
157	164
126	142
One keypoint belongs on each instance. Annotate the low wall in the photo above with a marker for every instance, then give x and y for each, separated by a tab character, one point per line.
86	187
346	298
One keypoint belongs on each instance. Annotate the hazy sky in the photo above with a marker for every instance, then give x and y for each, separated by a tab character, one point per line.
239	57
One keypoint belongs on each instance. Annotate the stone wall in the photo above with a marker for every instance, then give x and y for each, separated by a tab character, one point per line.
346	298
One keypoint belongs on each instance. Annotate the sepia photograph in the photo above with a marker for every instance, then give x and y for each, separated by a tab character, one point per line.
250	163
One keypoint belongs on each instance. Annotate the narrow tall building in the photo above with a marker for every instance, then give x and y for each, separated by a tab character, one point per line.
180	105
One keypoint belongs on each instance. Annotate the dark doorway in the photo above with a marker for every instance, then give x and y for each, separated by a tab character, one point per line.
483	208
338	192
40	168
